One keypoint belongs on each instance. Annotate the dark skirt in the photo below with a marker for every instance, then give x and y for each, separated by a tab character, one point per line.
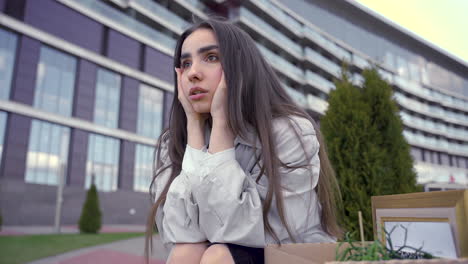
245	255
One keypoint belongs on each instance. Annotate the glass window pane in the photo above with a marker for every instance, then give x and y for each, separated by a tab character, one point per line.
3	119
143	167
8	43
150	105
106	108
47	153
102	162
55	81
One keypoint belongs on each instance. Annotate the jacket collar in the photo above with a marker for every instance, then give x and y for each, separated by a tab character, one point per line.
250	139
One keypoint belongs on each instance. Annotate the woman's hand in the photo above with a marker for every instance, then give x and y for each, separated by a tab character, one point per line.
222	137
191	114
219	103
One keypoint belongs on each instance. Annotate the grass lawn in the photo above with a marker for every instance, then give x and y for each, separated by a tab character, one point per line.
21	249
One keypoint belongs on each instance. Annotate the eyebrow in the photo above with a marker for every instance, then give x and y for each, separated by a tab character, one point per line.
200	51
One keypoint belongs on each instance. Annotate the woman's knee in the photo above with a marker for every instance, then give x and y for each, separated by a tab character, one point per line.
218	253
187	253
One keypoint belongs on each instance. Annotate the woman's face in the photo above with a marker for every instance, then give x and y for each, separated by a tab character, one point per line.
200	69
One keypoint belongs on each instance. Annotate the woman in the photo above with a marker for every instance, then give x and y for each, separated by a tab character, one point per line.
241	166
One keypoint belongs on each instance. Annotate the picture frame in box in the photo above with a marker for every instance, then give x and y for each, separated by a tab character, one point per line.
445	212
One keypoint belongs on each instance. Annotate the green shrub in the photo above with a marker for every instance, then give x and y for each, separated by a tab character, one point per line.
364	135
90	219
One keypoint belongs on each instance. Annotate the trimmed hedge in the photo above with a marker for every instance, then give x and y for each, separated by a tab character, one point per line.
90	219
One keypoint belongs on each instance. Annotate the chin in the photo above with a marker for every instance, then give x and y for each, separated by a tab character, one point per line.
201	109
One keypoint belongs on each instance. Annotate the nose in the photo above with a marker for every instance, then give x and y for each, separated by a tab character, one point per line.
195	74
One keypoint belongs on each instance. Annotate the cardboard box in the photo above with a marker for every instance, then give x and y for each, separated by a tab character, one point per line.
325	253
317	253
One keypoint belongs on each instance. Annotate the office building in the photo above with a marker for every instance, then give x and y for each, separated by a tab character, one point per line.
86	85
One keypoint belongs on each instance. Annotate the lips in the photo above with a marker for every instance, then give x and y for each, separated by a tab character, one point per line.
197	93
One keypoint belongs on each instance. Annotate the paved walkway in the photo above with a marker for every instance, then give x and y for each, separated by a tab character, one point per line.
119	252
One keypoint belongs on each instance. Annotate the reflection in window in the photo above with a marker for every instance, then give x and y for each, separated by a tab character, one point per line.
102	162
47	153
144	158
55	81
414	72
106	108
402	66
7	61
389	60
3	118
150	106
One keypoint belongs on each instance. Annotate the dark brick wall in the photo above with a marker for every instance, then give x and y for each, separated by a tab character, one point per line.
15	147
77	158
2	6
24	79
14	8
123	49
38	206
128	104
84	97
126	165
63	22
158	64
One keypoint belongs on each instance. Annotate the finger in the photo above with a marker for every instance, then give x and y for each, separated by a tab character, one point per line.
222	82
179	85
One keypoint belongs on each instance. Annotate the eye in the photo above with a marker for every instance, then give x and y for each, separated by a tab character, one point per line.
212	57
185	64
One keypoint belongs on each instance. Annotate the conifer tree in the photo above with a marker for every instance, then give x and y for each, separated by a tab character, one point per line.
363	134
90	220
397	174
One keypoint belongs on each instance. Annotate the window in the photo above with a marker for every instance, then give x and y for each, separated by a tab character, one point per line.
3	118
55	81
150	108
7	61
414	72
389	60
144	158
106	107
103	162
444	159
427	156
47	153
402	66
416	153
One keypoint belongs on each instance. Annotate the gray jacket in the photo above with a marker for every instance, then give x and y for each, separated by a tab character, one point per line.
216	198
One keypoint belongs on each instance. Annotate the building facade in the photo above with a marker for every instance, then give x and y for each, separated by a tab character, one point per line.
86	87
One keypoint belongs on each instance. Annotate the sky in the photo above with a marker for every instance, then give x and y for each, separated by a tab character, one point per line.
441	22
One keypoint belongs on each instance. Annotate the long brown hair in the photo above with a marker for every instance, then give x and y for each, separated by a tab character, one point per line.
257	97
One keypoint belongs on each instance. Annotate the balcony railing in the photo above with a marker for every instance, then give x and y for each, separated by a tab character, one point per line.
194	6
278	14
360	62
434	127
386	76
160	14
270	33
322	62
319	82
282	65
357	79
326	44
439	144
298	97
317	104
124	23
